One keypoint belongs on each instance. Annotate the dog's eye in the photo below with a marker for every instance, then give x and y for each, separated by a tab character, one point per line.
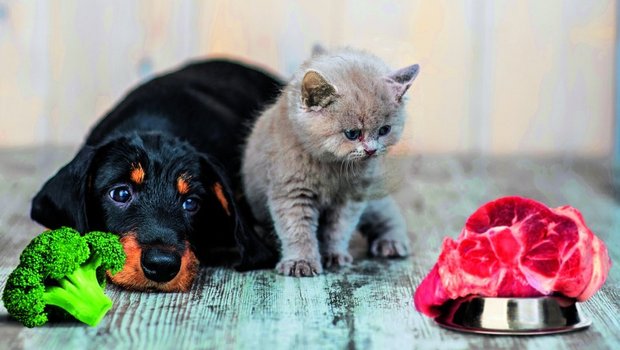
191	205
121	194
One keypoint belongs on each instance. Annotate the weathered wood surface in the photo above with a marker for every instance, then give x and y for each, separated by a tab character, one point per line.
367	306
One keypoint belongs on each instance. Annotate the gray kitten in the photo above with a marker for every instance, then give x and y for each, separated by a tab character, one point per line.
313	163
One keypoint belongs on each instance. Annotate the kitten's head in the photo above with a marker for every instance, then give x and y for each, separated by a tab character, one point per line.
348	105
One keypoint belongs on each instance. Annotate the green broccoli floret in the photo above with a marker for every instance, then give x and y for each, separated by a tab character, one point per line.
63	272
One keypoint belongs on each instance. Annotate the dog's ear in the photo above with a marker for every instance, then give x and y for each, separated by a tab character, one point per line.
62	200
254	253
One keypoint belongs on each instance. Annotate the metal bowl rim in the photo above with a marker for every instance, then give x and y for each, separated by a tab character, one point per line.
493	331
445	320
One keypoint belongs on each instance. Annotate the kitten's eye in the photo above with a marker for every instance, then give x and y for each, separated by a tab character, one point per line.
191	205
384	130
352	134
120	194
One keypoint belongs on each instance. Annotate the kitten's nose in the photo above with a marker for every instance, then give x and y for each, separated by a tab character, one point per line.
370	152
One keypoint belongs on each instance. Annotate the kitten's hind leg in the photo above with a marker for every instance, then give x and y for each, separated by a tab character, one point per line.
384	226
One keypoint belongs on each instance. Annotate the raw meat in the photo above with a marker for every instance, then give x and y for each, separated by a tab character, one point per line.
517	247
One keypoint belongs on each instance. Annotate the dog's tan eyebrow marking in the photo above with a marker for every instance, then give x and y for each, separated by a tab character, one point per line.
219	194
183	184
137	173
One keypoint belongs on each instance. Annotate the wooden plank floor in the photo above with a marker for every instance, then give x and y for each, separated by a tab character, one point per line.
367	306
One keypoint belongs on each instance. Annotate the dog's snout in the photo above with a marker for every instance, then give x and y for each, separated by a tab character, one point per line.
160	265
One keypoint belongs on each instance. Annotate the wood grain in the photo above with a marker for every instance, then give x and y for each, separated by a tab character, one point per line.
367	306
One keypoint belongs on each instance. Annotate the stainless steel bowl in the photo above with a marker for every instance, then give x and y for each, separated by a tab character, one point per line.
513	316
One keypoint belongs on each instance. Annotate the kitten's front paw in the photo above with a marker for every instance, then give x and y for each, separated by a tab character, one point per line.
299	268
389	248
337	259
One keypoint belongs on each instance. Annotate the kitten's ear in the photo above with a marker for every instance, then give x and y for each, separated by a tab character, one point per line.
316	92
401	80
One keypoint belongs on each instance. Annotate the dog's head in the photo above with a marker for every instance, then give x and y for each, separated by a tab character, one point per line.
168	202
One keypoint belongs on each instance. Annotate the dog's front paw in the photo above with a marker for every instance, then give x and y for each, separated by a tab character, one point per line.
299	268
389	248
337	259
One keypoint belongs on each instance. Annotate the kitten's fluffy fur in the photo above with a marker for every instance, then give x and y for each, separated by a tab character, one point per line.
307	181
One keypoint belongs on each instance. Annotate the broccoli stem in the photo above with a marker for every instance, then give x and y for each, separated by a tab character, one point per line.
80	294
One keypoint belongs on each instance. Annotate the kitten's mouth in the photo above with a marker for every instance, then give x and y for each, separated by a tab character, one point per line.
363	157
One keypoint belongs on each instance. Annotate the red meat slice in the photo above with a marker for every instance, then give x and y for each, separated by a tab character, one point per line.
517	247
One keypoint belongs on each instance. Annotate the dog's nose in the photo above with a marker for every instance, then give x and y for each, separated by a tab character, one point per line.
160	265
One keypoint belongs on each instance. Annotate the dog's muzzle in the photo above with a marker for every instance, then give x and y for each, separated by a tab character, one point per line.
155	268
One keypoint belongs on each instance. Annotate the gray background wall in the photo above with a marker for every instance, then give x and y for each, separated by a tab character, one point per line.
497	77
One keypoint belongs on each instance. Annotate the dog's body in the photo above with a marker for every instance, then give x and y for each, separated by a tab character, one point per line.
161	169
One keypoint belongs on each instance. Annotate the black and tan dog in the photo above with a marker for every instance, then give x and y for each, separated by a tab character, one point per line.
161	169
